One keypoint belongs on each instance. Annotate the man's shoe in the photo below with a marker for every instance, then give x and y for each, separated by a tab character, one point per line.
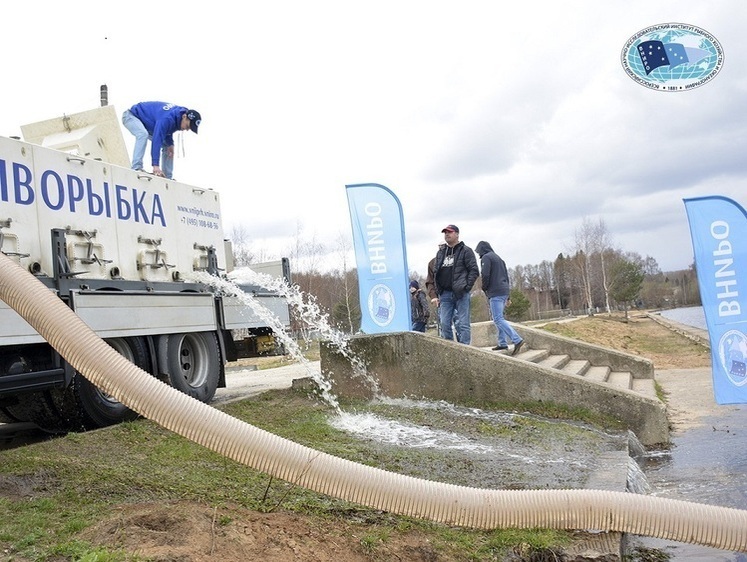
517	347
500	347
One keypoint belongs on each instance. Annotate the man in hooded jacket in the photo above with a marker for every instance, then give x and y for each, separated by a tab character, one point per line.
454	273
496	285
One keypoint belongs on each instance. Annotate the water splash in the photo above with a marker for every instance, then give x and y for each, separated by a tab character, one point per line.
393	432
308	312
637	481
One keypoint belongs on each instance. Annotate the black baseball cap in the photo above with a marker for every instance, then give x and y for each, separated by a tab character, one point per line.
451	228
194	119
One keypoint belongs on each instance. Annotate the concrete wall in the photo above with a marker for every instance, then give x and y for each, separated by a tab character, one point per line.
415	365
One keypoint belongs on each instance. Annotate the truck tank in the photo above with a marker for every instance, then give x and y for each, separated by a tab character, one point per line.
120	248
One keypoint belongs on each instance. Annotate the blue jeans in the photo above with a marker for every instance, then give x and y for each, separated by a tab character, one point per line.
136	127
418	326
454	310
497	304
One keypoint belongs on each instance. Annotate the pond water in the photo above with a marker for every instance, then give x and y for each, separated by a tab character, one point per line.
691	316
707	464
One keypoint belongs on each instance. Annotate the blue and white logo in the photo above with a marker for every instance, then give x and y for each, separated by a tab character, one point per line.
672	57
732	350
381	305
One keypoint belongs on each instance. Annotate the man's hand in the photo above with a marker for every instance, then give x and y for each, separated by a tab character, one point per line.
158	172
434	301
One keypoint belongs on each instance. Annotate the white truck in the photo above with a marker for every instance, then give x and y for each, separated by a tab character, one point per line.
119	247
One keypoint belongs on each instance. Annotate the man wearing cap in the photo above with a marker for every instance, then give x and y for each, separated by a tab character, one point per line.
454	274
158	121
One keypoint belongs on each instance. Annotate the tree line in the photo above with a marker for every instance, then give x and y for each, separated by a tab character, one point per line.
590	277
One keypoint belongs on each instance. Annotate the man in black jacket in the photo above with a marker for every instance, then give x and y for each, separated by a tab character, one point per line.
454	274
495	283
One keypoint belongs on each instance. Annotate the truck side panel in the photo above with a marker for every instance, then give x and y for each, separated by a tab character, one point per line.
14	330
145	314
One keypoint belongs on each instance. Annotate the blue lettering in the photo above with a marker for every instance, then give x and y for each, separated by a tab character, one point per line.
157	210
45	190
75	195
123	207
79	194
95	203
18	183
3	182
137	206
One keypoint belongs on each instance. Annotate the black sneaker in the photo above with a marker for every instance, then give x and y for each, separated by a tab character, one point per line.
517	347
500	347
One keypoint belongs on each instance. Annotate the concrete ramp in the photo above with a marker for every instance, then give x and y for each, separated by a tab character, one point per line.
416	365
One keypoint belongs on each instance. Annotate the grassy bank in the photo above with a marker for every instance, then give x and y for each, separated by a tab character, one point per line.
137	492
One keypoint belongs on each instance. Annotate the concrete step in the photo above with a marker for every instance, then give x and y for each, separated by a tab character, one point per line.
555	361
581	367
620	379
576	367
533	355
597	373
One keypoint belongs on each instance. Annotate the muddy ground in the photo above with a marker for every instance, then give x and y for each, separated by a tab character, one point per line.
193	532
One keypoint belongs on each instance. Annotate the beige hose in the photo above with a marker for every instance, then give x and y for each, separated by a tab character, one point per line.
718	527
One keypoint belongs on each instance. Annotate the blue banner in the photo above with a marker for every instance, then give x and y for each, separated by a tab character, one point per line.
718	227
379	241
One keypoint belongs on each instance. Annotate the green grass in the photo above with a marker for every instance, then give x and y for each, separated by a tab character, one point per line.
65	485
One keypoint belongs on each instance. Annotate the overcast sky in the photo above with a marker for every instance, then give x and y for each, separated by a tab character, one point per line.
514	121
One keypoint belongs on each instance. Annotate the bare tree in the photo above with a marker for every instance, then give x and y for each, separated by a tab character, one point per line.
306	252
583	249
591	243
344	247
240	241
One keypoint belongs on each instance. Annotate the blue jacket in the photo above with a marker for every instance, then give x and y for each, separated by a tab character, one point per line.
161	120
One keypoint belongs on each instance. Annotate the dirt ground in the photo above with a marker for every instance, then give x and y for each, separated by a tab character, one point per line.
189	532
193	532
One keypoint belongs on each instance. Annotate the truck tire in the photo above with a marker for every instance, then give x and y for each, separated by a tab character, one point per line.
99	409
192	363
40	408
37	407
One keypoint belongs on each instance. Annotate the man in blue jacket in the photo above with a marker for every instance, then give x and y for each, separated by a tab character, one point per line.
158	121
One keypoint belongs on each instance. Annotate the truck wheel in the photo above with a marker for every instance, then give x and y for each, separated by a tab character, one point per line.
99	409
36	407
193	363
39	408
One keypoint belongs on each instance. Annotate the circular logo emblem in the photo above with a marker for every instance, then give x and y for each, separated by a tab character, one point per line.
381	305
672	57
732	351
